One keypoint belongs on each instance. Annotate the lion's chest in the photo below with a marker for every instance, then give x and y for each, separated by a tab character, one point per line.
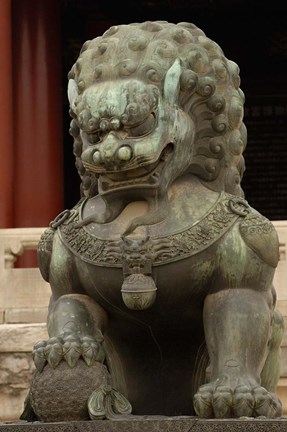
179	261
149	247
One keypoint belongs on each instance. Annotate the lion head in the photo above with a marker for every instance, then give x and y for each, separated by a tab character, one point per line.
153	101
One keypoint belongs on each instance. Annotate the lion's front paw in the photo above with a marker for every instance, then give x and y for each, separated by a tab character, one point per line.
70	348
221	399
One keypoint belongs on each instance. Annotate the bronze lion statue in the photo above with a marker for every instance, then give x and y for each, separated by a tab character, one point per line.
161	275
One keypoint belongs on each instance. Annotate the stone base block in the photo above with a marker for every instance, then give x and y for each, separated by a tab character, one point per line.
153	424
16	371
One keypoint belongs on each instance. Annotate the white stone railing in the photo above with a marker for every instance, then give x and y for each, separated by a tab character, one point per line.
24	298
24	294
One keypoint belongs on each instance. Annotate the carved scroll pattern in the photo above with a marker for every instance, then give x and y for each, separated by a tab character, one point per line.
160	250
257	224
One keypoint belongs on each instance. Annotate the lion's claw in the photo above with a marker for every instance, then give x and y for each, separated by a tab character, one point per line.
72	351
240	400
222	401
243	402
39	355
266	404
92	352
54	353
68	347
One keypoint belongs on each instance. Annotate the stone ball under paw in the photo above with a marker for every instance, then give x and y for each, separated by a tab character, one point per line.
61	394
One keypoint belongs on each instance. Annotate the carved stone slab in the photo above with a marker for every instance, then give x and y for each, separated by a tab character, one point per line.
153	424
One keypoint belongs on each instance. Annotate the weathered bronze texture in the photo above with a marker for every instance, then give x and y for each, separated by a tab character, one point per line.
161	275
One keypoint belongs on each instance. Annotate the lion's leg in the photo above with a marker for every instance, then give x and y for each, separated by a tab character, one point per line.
75	322
237	327
76	325
72	381
271	371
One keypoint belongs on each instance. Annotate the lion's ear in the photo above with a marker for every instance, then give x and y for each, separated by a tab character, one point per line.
171	82
72	93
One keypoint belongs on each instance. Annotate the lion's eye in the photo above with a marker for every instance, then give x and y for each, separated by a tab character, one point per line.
94	137
143	128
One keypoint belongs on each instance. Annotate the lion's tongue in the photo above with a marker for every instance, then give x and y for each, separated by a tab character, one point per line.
157	212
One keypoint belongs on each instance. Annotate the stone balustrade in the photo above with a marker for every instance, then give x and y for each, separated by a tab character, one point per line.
24	298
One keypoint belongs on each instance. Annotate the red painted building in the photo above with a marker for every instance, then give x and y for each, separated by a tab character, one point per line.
31	186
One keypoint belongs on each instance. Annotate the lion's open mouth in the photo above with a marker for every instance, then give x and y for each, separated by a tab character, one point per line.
132	173
146	175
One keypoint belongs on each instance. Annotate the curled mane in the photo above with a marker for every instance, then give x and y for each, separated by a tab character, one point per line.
209	93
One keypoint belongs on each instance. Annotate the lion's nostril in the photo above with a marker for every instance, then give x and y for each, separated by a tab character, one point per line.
104	125
115	123
125	153
97	157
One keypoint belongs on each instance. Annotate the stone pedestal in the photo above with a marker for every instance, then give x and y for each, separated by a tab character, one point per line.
153	424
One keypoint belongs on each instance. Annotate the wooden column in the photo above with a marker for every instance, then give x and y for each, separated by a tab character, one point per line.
6	118
38	171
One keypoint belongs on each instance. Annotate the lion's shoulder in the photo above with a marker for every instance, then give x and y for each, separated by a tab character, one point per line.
45	247
259	234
